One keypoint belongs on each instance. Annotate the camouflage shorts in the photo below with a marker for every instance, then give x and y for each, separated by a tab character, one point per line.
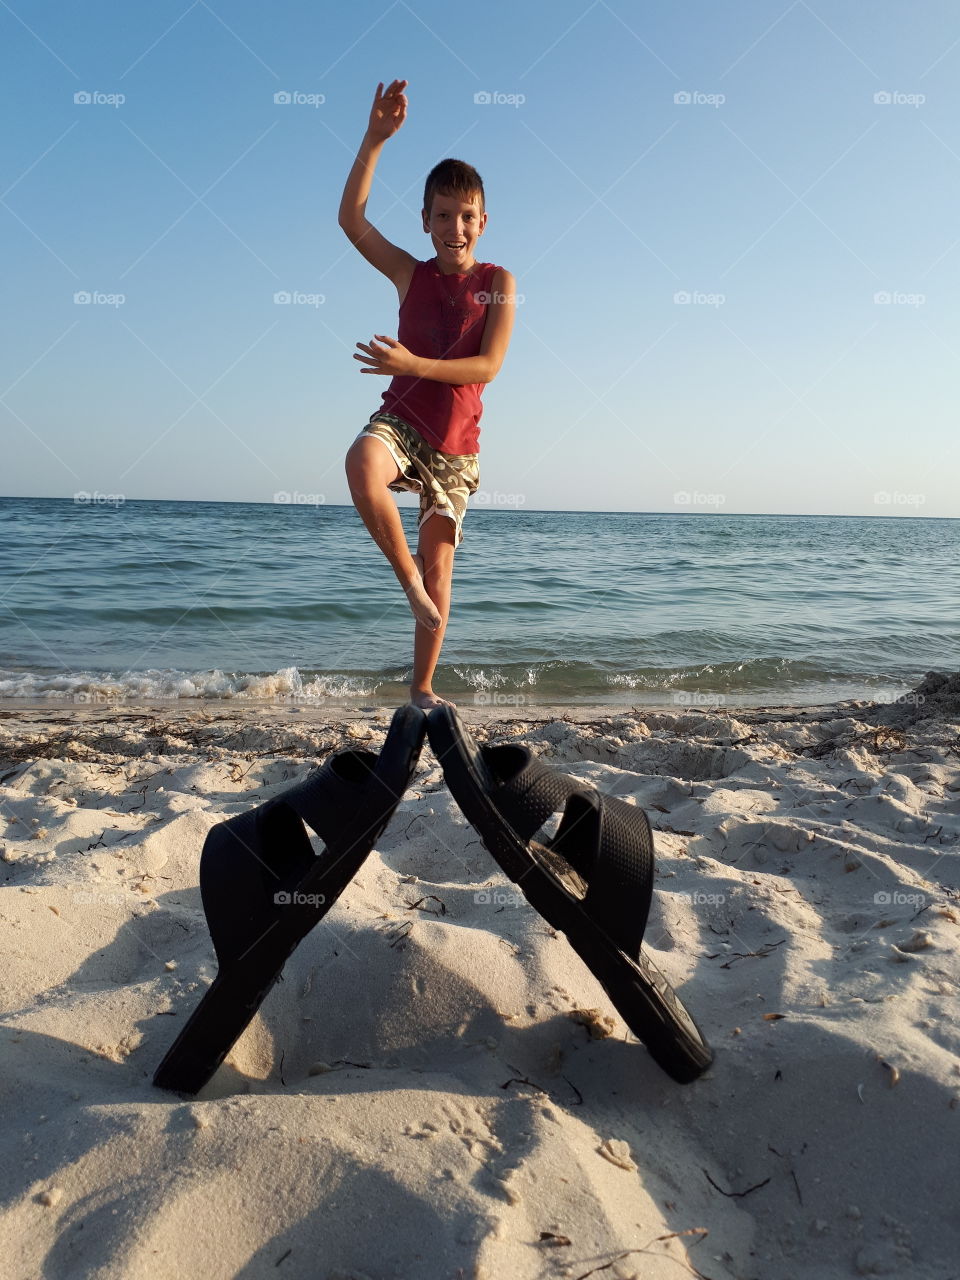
444	481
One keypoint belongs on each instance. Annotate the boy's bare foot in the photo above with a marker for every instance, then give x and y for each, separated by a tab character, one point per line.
427	699
424	610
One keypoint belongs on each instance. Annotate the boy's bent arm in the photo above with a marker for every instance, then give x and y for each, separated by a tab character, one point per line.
493	345
386	116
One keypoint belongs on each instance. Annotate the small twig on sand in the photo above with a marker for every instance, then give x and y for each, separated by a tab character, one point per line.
402	933
523	1080
429	897
673	1235
575	1090
764	951
792	1173
735	1195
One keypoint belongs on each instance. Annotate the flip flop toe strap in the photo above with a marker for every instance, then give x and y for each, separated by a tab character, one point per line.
525	791
331	799
609	843
266	851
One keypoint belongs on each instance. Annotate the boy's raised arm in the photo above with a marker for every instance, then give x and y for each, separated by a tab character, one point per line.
387	114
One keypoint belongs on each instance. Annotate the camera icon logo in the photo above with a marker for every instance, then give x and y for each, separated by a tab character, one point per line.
82	99
282	899
282	99
482	99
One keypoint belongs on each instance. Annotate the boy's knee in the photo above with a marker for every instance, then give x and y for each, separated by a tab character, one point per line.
436	577
370	467
353	458
357	466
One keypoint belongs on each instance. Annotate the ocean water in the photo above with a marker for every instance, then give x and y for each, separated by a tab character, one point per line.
276	603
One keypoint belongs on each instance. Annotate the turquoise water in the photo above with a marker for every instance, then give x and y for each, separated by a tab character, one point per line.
148	600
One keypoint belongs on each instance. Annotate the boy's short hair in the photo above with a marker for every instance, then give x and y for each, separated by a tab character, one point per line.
452	178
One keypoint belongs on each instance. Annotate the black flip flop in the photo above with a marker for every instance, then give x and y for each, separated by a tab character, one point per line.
264	888
593	880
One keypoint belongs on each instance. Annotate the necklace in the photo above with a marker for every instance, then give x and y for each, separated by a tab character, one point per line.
463	288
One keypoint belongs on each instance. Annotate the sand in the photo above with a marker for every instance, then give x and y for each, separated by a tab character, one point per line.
439	1088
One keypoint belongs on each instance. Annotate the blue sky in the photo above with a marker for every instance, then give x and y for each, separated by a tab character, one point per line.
782	199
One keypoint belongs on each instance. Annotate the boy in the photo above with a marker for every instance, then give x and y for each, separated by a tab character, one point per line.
456	315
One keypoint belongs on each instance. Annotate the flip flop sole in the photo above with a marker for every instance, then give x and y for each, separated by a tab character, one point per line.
640	992
243	982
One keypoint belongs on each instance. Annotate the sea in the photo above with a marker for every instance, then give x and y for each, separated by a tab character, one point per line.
109	601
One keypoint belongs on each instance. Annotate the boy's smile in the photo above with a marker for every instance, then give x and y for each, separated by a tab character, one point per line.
455	225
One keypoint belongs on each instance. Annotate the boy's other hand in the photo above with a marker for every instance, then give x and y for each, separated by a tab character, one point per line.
393	358
388	112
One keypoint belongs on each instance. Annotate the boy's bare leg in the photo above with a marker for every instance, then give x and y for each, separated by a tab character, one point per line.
370	468
435	549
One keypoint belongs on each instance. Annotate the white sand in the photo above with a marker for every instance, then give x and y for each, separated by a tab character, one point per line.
823	1143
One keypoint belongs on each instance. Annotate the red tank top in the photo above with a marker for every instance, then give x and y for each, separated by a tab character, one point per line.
442	318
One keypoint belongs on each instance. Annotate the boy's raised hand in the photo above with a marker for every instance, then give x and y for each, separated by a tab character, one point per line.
388	112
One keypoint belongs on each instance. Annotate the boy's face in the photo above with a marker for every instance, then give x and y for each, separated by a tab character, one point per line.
455	225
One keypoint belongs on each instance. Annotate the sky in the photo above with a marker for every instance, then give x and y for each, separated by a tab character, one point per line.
733	227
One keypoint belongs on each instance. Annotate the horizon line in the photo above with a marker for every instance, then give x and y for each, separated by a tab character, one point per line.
485	509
